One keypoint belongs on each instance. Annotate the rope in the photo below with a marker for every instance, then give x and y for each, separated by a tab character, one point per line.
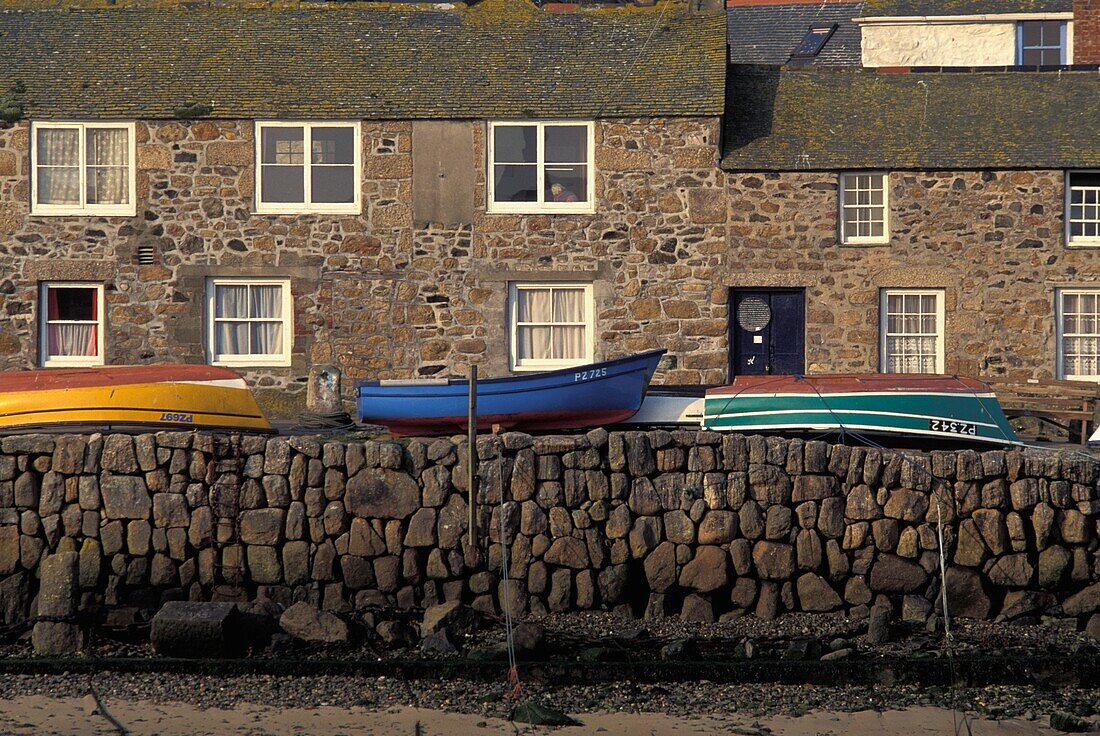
328	421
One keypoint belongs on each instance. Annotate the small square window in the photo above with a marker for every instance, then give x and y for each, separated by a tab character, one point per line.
82	169
541	167
552	325
1041	43
864	203
912	330
70	324
307	167
249	321
1083	208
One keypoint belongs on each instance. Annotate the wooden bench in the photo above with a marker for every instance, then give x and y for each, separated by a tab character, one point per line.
1059	403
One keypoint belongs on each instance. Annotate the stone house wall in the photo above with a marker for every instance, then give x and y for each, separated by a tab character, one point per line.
993	240
694	523
378	294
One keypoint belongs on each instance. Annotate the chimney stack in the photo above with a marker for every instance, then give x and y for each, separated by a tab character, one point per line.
1086	31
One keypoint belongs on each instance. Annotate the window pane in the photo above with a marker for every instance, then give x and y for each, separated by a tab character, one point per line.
59	185
566	183
534	305
58	146
334	145
281	145
283	184
568	305
266	302
231	338
72	303
515	184
566	144
69	340
1032	31
107	146
533	343
231	302
333	184
515	144
568	343
267	338
108	185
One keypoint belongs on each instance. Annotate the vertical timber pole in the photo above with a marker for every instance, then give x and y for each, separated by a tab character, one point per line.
471	460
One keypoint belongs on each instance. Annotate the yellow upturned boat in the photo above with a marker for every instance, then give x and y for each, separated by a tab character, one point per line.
128	398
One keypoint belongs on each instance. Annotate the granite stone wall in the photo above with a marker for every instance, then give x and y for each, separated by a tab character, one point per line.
698	524
379	294
994	241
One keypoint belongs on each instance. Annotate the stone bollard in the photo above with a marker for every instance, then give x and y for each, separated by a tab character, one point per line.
323	390
58	597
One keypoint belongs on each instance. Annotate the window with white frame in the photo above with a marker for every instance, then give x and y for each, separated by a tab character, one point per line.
1079	334
912	330
552	325
70	324
307	167
1083	207
82	169
1041	43
863	208
541	167
249	321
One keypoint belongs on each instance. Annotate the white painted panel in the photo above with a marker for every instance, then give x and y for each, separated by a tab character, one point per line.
939	44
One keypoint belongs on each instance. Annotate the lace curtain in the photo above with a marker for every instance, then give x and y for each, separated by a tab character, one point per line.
106	161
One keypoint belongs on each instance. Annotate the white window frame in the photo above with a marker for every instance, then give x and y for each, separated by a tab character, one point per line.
1059	316
884	334
69	361
1080	240
1064	37
513	327
842	209
280	359
118	210
541	207
307	207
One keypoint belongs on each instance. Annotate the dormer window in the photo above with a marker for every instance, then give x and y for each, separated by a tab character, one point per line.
1041	43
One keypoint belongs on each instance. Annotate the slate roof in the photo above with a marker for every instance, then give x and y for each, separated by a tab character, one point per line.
964	7
827	119
498	58
767	34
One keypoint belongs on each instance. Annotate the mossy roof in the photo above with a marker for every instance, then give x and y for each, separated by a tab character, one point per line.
498	58
832	118
876	8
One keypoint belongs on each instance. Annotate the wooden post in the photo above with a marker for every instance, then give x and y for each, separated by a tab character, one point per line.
471	460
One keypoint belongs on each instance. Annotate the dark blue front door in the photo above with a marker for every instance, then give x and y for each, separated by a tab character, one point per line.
767	332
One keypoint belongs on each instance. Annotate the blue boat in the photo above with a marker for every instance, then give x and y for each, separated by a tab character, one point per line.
585	396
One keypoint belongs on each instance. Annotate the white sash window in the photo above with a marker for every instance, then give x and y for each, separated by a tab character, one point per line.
82	169
249	321
912	331
70	324
552	325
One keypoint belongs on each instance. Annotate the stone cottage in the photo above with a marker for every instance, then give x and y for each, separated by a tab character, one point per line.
397	190
922	198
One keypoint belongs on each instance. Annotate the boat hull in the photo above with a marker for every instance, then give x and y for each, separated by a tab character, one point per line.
128	398
585	396
939	409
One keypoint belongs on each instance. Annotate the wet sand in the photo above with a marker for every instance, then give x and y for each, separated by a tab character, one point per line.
41	715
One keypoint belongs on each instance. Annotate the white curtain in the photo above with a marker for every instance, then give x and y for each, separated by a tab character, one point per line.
107	156
72	339
267	303
58	165
231	303
554	338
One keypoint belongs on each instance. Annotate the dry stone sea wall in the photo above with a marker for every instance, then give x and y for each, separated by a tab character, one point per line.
692	523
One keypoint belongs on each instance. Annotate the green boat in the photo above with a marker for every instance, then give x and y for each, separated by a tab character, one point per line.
932	409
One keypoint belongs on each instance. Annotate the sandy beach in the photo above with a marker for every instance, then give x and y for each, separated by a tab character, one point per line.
70	716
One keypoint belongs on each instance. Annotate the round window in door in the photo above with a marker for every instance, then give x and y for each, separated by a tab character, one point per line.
753	314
